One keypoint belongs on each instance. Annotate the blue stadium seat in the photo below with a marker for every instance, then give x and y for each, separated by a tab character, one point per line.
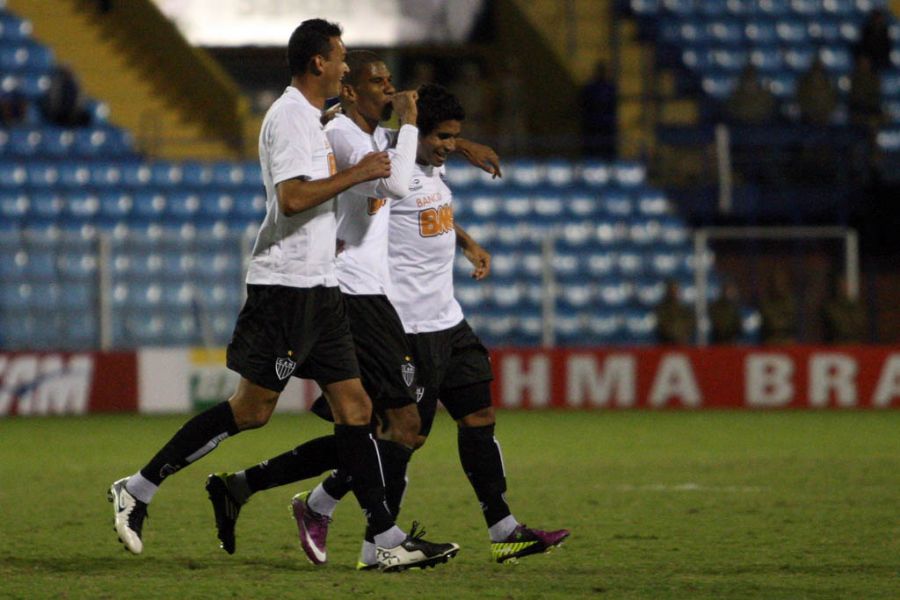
570	328
165	174
611	231
726	32
215	205
665	263
679	7
760	33
516	205
56	142
549	208
181	207
248	209
528	328
45	207
605	326
196	174
13	29
525	173
31	84
78	296
799	58
115	207
575	296
729	59
601	263
718	85
889	140
470	294
567	265
42	174
24	142
82	333
40	265
699	58
836	59
617	203
78	267
806	8
25	56
640	326
651	202
839	8
14	207
506	293
890	83
712	9
12	174
649	291
594	173
531	263
782	84
503	264
582	205
644	231
825	32
850	31
791	32
645	7
461	175
148	206
615	292
559	173
629	173
630	262
774	8
484	207
105	173
136	174
74	174
576	236
228	174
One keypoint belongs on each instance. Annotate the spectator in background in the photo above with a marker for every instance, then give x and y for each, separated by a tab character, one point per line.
864	102
874	41
751	103
598	114
65	104
778	311
816	96
843	317
13	109
471	87
725	316
674	319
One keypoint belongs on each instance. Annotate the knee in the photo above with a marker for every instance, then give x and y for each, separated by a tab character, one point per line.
352	407
251	414
419	441
404	426
480	418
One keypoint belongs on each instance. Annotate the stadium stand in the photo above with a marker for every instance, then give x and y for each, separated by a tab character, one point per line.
91	227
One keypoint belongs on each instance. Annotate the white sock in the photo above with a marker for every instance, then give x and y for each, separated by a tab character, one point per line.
141	488
390	538
367	554
503	528
321	502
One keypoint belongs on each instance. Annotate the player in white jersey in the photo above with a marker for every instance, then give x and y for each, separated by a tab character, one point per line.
453	365
294	320
367	97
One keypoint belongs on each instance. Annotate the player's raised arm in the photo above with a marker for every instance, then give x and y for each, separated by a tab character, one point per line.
477	255
483	157
296	195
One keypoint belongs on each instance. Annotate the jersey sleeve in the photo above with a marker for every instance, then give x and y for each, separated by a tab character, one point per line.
402	157
290	146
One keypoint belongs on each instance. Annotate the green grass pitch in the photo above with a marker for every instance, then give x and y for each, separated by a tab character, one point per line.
660	504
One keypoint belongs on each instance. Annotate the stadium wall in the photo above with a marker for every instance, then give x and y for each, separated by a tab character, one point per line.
181	380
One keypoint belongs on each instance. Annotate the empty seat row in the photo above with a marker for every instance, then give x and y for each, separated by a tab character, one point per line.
528	173
743	8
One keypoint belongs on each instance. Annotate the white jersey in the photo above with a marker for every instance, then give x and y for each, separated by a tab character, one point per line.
296	251
421	251
364	209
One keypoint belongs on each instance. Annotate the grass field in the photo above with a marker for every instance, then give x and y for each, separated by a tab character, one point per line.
661	505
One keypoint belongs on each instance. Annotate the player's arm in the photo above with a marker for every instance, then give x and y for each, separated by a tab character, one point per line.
479	155
297	194
478	256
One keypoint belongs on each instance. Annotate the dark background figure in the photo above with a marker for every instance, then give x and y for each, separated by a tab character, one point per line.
751	103
598	114
864	101
816	96
843	318
13	108
64	103
725	316
778	311
874	41
674	319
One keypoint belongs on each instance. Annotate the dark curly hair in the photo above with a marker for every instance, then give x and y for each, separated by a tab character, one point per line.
311	38
436	105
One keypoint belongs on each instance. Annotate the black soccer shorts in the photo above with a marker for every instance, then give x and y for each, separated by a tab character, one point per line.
286	331
449	360
385	359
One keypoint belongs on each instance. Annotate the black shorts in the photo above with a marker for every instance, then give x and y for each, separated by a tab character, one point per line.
385	360
283	331
448	360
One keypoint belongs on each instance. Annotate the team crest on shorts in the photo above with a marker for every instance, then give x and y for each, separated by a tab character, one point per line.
420	392
284	367
408	370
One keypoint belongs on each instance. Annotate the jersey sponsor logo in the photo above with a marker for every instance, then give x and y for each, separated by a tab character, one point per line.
284	367
436	221
415	185
408	370
375	205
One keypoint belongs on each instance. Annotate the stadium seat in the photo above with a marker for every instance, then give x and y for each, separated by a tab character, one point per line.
725	32
640	326
648	292
566	265
719	85
594	173
774	8
799	58
570	328
45	207
615	292
181	207
630	262
806	8
601	263
42	174
760	33
148	206
559	173
644	231
525	173
582	206
575	296
617	203
165	174
838	8
825	32
605	326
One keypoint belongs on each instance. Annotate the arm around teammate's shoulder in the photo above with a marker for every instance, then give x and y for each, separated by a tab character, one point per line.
297	195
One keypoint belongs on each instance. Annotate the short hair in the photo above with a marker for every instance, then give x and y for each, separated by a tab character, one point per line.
435	105
311	38
358	60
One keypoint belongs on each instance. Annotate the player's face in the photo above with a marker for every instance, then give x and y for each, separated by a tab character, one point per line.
437	145
334	68
374	92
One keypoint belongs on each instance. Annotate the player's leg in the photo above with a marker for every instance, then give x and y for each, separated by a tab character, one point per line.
250	406
467	395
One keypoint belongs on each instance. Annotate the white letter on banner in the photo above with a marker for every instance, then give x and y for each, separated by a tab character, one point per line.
832	372
64	389
888	383
19	382
516	381
767	380
675	379
614	383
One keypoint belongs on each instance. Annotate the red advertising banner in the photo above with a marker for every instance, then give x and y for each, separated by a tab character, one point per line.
67	383
694	378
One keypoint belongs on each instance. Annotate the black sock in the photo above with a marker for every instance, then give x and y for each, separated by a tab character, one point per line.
305	461
482	462
196	438
337	485
394	458
358	455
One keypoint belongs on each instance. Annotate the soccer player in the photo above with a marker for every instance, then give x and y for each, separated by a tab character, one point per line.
452	364
368	97
294	321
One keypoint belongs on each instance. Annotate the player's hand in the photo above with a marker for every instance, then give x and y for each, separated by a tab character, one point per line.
330	114
481	156
375	165
404	104
480	259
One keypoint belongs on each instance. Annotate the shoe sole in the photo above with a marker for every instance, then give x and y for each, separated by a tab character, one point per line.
215	485
422	564
514	559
